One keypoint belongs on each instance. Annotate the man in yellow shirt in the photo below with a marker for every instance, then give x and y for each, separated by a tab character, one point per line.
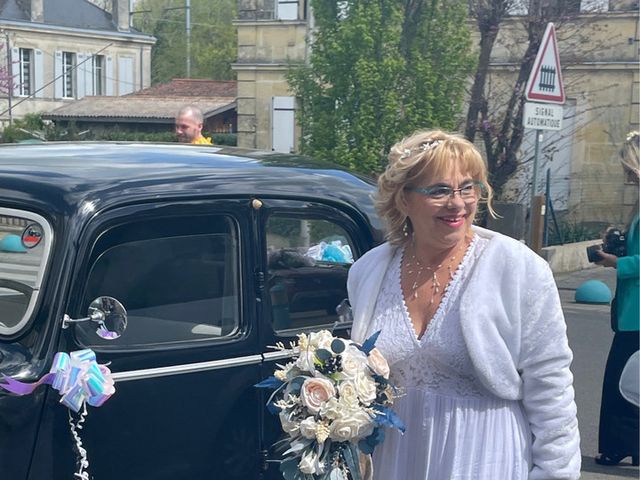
189	126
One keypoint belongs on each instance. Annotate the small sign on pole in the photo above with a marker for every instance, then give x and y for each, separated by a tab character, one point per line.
542	116
545	87
545	81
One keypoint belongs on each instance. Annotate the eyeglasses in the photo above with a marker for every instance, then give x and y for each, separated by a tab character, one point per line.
469	192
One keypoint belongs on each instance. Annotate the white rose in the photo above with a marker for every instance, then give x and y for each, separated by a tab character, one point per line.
315	392
354	425
348	395
289	425
378	363
321	339
308	427
353	361
308	463
331	409
365	387
305	361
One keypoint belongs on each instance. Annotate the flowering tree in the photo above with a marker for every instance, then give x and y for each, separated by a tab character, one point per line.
378	70
6	78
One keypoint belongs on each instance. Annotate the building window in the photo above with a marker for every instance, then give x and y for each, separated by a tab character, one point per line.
592	6
68	75
287	10
98	74
26	72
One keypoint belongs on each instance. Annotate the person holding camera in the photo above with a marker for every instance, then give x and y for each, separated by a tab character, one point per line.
618	432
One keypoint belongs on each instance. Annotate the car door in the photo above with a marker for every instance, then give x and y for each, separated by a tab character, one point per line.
307	248
185	366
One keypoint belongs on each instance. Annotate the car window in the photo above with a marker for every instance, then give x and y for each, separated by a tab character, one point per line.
25	243
308	262
175	288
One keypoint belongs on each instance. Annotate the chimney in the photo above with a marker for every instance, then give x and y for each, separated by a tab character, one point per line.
36	10
120	12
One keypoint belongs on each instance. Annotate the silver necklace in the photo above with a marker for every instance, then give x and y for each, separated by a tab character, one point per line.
415	265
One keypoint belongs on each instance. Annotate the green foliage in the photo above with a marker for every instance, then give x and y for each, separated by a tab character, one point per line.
572	231
33	127
29	127
378	72
213	38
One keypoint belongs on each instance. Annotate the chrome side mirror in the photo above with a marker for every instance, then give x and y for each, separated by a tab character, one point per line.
108	313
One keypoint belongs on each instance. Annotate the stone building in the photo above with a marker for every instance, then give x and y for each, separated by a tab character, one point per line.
64	50
599	54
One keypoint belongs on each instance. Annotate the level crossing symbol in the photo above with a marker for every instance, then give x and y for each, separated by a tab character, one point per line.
545	82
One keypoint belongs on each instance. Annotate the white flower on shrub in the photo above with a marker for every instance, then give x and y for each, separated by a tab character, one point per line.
315	392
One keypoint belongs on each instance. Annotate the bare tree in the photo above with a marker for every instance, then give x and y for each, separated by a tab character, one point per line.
499	122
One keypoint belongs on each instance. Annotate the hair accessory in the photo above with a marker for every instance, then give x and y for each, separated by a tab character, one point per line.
630	136
423	147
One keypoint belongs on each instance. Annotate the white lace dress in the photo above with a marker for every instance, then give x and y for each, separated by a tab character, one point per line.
456	429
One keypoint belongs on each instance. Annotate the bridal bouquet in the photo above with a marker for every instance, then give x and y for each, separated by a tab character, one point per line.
333	401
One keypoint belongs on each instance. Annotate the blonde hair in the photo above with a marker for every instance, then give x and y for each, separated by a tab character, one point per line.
433	151
630	159
629	153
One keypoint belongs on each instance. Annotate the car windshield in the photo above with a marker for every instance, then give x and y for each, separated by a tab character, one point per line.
25	243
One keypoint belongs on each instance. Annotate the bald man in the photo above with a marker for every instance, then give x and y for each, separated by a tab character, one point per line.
189	126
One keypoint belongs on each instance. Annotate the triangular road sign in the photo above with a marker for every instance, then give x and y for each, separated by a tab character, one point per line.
545	80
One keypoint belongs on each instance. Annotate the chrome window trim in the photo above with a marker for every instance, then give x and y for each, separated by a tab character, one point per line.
48	232
280	355
186	368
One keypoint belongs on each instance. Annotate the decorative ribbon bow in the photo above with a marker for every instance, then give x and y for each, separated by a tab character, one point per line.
76	376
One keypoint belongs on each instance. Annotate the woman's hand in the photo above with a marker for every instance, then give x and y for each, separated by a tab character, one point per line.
608	260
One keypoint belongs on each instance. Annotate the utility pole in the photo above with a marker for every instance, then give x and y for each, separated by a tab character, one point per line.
7	47
188	27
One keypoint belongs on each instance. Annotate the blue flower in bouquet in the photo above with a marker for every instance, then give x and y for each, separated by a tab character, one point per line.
332	401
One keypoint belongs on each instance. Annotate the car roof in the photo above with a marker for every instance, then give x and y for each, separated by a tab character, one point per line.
61	178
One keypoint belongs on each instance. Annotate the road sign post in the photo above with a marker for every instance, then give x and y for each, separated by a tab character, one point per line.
545	86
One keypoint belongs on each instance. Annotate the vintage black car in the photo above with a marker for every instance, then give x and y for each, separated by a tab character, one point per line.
215	254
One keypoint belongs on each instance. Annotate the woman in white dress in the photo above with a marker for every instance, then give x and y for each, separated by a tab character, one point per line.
471	325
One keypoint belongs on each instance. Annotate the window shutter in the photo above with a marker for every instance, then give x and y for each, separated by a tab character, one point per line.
80	75
15	70
283	124
108	82
38	73
125	76
89	86
57	73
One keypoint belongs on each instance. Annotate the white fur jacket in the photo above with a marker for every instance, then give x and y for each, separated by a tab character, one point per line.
514	330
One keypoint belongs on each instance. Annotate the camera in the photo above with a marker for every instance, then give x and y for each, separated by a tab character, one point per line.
592	255
615	243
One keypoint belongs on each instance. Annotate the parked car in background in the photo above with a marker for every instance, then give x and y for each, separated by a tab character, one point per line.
215	254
